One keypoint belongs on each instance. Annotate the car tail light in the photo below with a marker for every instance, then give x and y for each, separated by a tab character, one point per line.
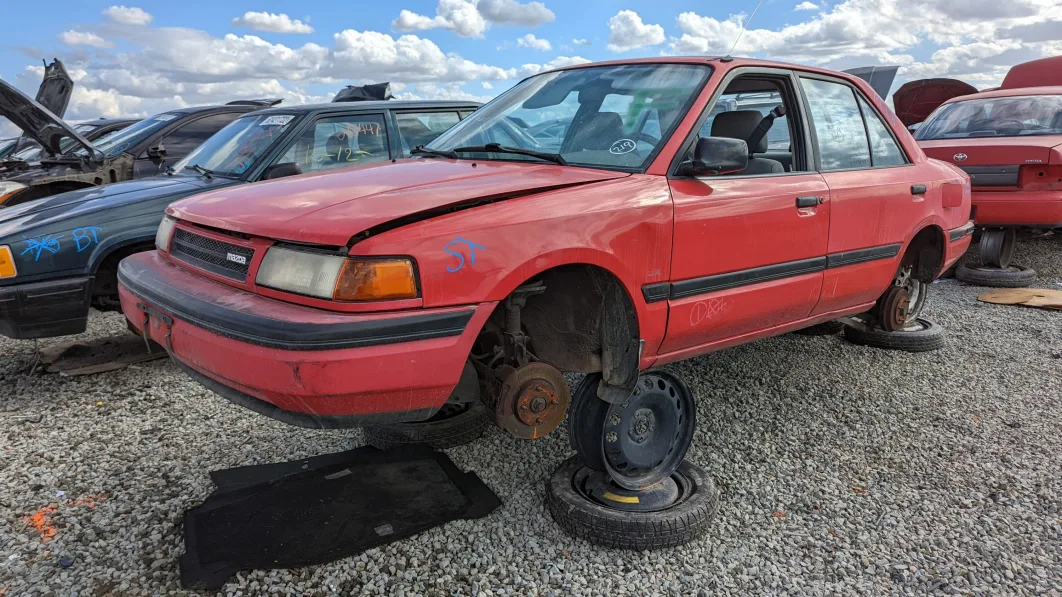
1040	178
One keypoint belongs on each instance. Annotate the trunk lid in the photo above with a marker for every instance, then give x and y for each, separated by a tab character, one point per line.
993	161
916	100
331	207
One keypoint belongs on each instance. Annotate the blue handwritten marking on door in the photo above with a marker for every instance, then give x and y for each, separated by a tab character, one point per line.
37	245
460	255
84	237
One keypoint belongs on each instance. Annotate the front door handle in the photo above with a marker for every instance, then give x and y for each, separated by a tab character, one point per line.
810	201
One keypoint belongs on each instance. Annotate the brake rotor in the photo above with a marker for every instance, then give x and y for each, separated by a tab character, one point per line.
533	401
895	309
647	436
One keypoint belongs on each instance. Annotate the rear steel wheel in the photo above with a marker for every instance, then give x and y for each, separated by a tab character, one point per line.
997	246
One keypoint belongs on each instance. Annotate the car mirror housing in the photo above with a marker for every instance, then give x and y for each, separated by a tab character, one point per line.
719	155
157	153
281	170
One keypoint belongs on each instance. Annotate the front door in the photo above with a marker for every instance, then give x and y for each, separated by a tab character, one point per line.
749	248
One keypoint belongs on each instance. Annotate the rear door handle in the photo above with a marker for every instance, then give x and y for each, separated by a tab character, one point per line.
810	201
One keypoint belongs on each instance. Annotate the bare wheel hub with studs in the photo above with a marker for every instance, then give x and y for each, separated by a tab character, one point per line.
533	401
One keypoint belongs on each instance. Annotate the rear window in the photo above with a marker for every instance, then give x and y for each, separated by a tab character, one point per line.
1017	116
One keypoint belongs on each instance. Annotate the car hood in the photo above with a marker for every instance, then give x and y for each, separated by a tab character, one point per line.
82	201
996	151
36	121
329	208
916	100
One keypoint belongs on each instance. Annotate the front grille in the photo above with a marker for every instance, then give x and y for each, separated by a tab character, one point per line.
211	255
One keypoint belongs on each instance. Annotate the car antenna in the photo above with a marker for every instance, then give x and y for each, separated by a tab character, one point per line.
744	24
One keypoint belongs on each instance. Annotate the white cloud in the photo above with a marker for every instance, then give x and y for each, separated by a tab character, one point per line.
581	41
559	62
81	38
375	55
443	92
487	85
534	43
806	6
472	18
123	15
275	23
626	31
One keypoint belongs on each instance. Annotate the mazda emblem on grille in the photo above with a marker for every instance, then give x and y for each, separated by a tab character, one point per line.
233	257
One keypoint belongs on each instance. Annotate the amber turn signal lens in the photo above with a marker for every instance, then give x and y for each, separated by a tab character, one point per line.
7	263
376	280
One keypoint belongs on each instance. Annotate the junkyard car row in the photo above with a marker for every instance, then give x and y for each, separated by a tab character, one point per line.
603	219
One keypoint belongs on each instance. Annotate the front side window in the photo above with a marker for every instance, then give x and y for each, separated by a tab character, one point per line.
421	128
185	139
133	134
234	149
1016	116
606	116
842	138
883	148
338	142
762	102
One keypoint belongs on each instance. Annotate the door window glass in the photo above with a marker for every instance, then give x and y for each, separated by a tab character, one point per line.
842	139
883	148
340	141
184	140
762	102
421	128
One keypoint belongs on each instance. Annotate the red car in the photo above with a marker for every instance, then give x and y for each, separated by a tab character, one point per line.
1010	143
670	221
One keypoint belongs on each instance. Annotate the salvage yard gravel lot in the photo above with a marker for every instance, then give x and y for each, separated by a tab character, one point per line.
842	469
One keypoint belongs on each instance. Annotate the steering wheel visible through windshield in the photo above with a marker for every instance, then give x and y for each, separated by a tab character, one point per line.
612	117
234	149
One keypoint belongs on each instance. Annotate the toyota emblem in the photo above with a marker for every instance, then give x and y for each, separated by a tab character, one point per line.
960	157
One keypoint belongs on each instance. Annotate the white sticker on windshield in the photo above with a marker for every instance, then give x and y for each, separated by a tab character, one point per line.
276	121
165	117
622	146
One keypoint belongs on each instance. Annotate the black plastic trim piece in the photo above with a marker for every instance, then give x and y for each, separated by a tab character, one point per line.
656	292
261	330
960	233
746	277
297	419
992	176
862	255
45	309
918	189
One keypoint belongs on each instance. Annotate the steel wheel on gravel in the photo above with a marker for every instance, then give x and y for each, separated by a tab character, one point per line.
454	425
585	422
586	505
996	248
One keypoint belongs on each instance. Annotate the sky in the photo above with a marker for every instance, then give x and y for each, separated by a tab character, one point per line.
144	58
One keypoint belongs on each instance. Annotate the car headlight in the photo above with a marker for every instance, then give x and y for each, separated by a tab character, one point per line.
7	263
337	278
165	234
8	189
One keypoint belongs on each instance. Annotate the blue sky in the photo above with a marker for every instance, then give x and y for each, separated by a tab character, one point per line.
139	59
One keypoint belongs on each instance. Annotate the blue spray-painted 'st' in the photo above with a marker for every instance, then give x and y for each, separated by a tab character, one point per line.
471	250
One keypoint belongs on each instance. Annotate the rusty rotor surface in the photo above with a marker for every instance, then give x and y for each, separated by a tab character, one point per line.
894	309
533	401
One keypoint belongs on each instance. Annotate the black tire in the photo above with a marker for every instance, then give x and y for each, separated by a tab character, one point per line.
827	328
1014	276
929	336
586	519
444	430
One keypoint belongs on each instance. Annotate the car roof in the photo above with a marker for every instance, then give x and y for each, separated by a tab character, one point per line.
1017	91
110	121
730	61
371	105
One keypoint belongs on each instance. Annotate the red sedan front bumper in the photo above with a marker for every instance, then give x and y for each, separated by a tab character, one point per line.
301	365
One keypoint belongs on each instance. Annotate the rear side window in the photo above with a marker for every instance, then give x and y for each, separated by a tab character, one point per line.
842	139
883	148
184	140
421	128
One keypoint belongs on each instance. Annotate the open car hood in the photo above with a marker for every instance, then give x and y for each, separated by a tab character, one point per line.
916	100
36	120
331	207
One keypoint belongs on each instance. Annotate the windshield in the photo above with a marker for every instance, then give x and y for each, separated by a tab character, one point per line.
995	117
131	135
235	148
607	116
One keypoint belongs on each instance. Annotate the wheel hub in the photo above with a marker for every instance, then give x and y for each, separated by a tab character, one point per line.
895	309
532	401
598	487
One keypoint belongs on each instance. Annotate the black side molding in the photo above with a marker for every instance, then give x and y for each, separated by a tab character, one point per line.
656	292
862	255
960	233
918	189
745	277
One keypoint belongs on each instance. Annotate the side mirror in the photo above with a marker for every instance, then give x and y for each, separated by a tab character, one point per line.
914	127
281	170
719	155
157	154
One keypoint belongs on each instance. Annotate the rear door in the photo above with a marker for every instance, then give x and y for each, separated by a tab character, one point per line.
749	249
875	201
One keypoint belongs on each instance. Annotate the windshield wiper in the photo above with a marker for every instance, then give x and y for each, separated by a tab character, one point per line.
496	148
421	150
207	173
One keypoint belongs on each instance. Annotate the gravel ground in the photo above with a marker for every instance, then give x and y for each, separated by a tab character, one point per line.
842	470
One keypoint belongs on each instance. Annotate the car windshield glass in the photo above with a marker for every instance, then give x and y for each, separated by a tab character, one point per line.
607	116
995	117
234	149
130	136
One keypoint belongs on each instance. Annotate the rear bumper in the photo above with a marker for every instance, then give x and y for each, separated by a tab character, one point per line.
1017	208
300	365
45	309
